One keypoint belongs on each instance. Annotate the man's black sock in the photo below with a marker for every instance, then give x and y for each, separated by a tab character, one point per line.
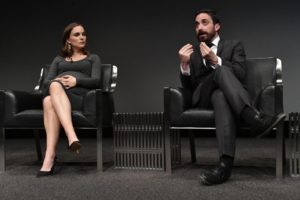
227	160
248	114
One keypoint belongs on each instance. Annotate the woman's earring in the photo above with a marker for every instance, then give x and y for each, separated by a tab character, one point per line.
69	47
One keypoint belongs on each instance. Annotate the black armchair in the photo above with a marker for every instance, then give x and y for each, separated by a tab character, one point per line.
24	110
265	86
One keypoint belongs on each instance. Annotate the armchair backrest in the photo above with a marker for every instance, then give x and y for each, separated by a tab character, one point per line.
262	76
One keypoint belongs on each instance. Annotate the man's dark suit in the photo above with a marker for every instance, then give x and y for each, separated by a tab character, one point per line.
220	89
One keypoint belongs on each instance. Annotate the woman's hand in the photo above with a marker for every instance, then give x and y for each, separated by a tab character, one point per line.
68	81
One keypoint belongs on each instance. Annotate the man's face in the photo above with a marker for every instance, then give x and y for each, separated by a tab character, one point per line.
205	29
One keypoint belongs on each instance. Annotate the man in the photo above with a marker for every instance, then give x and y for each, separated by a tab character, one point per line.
213	71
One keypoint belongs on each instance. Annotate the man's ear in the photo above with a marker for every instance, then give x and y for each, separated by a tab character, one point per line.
217	27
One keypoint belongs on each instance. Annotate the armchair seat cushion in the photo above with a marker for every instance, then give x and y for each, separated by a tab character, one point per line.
81	120
34	118
195	117
199	118
26	118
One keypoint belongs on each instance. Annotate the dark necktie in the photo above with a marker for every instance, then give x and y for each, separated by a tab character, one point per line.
207	62
209	44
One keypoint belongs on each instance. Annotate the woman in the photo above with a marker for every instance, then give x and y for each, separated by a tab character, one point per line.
70	76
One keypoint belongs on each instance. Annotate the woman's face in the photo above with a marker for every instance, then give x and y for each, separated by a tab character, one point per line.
77	37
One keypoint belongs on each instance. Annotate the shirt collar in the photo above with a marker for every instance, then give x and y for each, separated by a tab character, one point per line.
216	40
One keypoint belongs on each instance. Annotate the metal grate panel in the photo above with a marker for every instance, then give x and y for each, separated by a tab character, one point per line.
294	140
138	141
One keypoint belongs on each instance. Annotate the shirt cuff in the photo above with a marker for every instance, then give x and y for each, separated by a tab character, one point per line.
219	63
186	72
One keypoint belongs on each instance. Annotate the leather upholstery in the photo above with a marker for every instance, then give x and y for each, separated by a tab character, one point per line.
24	109
260	82
265	86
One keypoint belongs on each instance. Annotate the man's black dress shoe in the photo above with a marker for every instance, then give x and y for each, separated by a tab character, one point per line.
263	123
75	146
216	176
47	173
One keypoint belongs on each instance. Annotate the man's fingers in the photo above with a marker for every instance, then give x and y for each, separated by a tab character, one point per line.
185	48
204	47
205	50
203	44
189	52
186	52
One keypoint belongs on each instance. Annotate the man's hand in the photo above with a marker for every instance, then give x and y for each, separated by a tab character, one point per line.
68	81
185	55
208	54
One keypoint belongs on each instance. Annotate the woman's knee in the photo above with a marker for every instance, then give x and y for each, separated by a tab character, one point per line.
55	87
47	102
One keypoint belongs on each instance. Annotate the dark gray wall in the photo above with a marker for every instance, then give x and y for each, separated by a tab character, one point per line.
142	38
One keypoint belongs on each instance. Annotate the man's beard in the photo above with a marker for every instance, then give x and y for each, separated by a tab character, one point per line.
207	38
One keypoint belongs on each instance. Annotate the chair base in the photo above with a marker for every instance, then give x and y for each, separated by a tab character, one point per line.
280	149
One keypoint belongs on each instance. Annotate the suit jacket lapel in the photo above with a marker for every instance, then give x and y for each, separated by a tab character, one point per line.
220	47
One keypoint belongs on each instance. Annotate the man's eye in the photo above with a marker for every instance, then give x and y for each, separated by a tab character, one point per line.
204	22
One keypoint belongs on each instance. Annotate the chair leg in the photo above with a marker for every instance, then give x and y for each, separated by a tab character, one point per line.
280	150
38	144
284	161
176	147
2	150
192	145
99	150
168	150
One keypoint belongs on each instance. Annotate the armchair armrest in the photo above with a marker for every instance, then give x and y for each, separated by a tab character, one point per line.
109	77
266	100
176	101
12	102
90	104
278	88
98	107
38	87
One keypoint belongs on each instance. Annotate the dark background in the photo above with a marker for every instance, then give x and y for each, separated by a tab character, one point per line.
142	38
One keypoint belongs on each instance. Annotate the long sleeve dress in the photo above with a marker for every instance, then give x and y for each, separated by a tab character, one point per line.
86	71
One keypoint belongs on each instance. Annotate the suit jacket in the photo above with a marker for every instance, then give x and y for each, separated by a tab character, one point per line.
232	54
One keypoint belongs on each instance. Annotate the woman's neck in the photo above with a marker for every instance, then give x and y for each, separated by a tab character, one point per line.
76	56
77	53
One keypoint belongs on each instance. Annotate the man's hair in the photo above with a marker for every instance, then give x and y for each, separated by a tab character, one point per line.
211	13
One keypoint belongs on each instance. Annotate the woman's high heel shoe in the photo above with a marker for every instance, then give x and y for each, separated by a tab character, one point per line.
47	173
75	146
